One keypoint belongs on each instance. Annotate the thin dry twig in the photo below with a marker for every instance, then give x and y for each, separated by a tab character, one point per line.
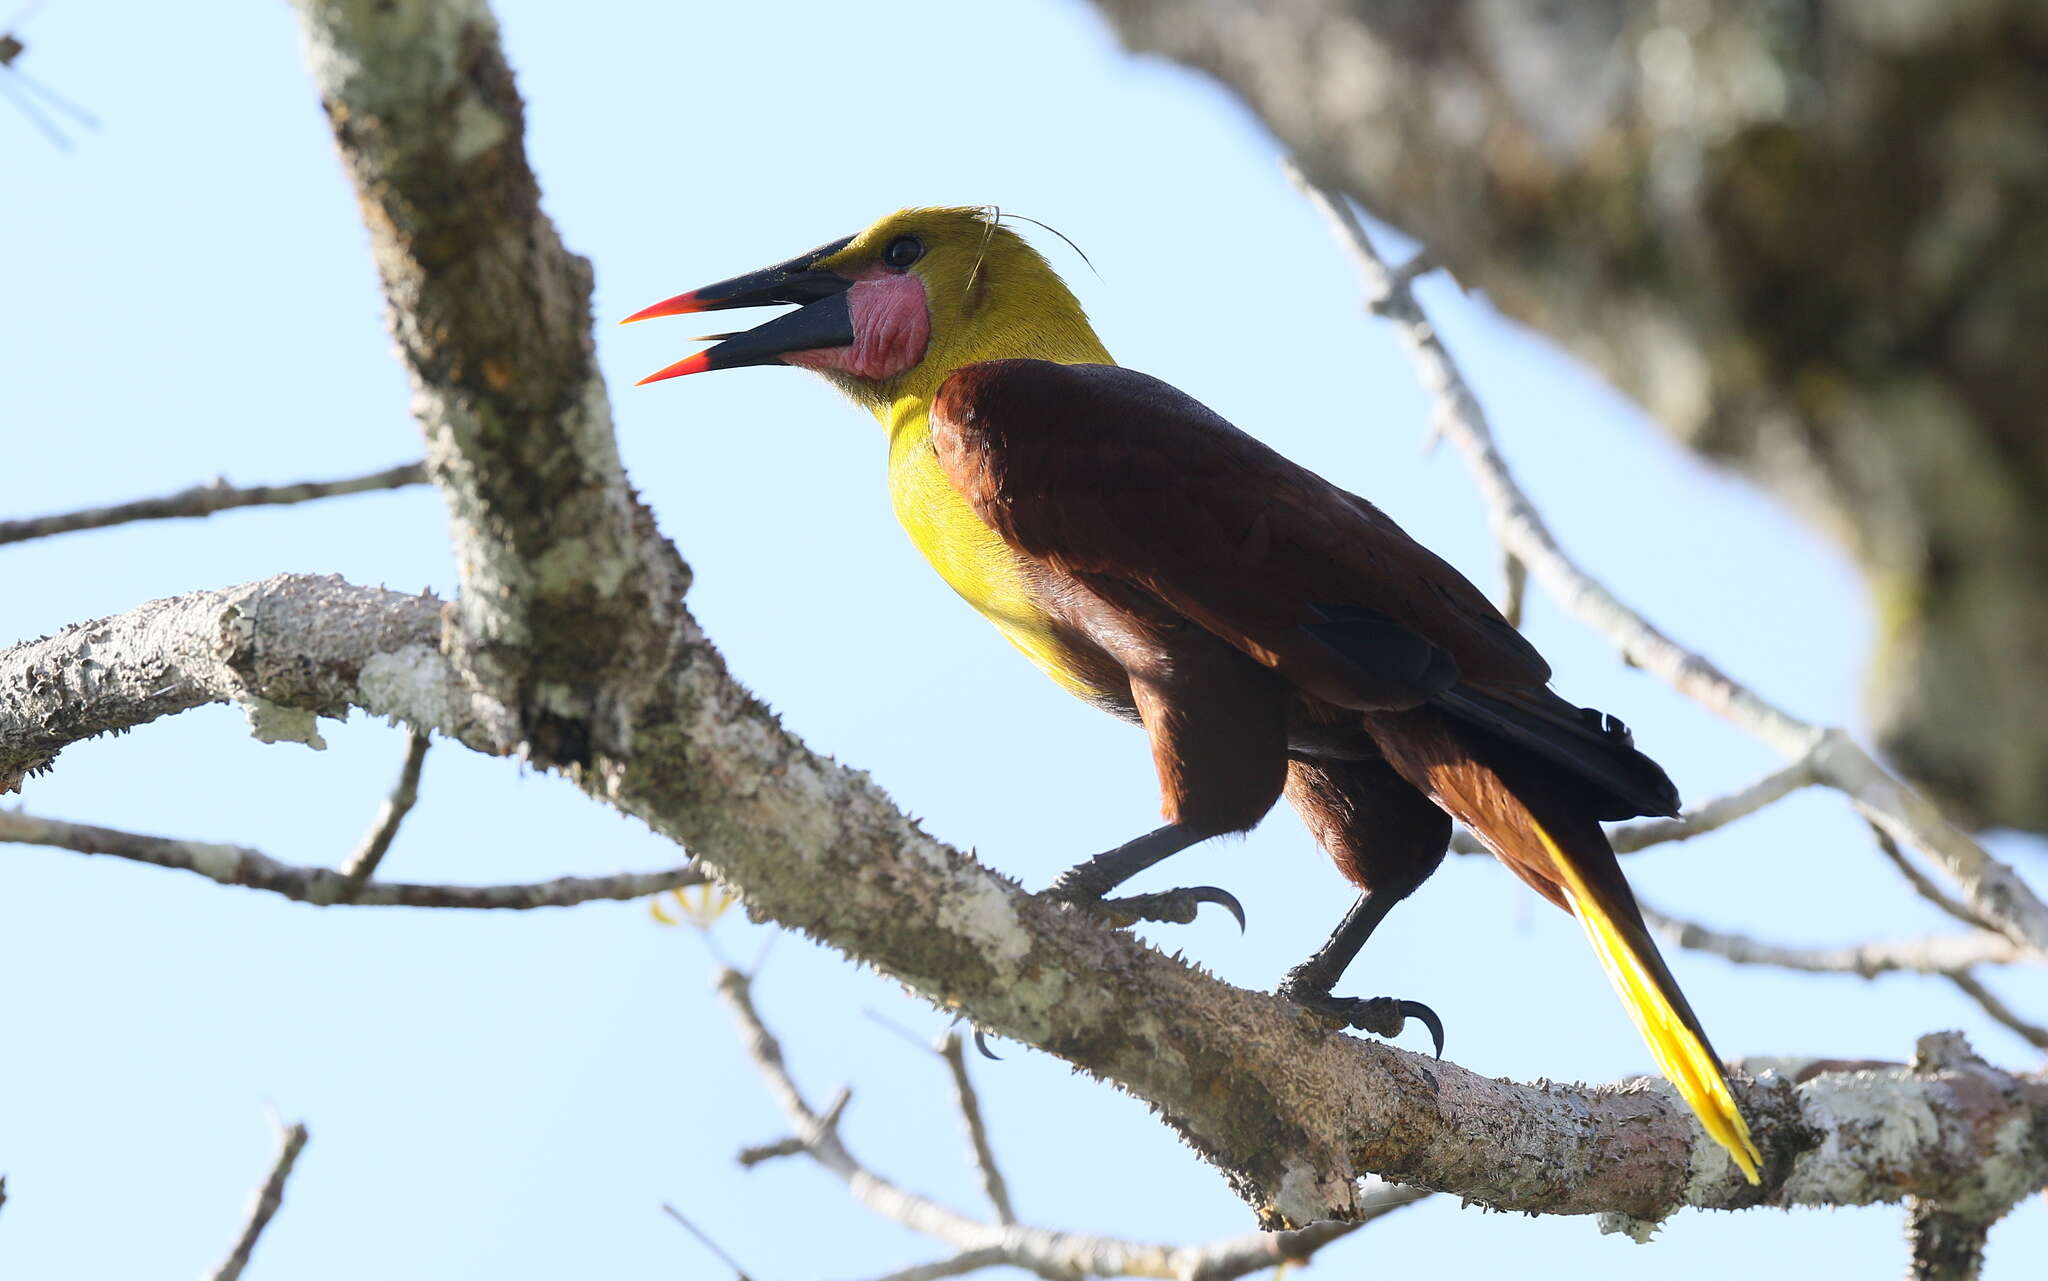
954	1052
291	1141
324	887
204	500
1991	888
1627	838
705	1240
981	1244
2032	1033
362	864
1943	954
1923	886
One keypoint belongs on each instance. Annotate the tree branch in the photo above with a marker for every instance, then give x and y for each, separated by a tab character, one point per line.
1992	888
1627	838
322	887
1291	1113
362	864
2032	1033
205	500
1944	954
1051	1254
291	1141
954	1052
491	316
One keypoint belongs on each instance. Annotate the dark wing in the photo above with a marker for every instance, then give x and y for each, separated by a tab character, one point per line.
1136	488
1109	474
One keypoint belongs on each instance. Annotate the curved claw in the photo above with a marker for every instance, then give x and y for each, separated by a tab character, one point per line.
1169	907
1223	899
981	1043
1417	1010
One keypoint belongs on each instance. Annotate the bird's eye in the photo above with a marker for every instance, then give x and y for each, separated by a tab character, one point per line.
903	251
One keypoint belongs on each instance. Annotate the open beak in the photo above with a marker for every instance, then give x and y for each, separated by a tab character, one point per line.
822	318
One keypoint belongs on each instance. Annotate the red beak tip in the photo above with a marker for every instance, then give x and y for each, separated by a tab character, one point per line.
696	364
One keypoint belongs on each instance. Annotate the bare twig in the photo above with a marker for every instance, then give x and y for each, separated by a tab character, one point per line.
705	1240
362	864
1514	585
2032	1033
959	1265
1048	1253
1698	821
291	1141
1922	886
324	887
1992	889
205	500
954	1053
1944	954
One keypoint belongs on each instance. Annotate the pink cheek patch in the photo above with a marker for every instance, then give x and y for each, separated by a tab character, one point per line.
891	328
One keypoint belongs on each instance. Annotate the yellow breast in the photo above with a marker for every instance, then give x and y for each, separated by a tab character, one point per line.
974	562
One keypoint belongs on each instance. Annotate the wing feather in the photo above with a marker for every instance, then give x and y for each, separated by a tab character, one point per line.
1108	473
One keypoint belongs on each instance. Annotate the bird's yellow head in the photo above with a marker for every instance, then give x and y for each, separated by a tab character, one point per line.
888	313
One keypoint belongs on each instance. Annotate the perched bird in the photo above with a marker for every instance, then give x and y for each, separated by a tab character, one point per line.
1273	634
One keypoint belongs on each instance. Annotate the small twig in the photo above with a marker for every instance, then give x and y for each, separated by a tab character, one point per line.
1992	889
1627	838
761	1153
291	1140
2034	1034
705	1240
1061	1255
1944	954
1514	585
324	887
205	500
954	1053
1922	886
362	864
959	1265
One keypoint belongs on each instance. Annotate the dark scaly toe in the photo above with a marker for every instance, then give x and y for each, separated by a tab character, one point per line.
1383	1016
1172	907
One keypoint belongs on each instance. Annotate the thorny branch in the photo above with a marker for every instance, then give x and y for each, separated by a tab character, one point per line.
205	500
324	887
291	1141
1059	1256
1992	889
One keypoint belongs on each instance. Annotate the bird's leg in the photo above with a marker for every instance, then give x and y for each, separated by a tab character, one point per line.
1308	984
1085	884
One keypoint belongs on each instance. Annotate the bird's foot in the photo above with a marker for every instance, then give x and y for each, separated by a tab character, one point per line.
1382	1016
1173	907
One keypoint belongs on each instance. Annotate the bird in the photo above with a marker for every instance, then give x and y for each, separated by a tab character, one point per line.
1273	634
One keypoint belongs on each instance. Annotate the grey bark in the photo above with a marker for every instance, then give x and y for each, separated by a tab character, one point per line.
1808	237
1291	1114
571	644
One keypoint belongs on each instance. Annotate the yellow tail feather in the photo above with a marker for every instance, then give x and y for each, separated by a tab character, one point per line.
1681	1056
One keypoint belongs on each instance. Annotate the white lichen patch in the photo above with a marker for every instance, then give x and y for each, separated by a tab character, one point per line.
477	130
1872	1124
974	907
218	862
1305	1196
274	723
1640	1231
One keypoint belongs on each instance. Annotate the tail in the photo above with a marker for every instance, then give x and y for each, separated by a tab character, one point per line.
1622	942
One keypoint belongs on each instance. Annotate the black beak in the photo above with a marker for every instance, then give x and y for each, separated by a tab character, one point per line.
822	319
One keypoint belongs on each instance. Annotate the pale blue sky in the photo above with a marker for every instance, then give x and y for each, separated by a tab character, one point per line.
187	293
